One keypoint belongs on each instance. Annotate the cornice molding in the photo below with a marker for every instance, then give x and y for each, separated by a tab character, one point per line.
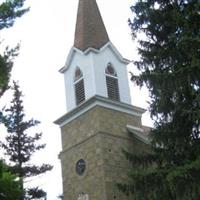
102	102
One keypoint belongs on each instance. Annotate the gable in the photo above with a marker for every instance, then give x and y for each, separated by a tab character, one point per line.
74	51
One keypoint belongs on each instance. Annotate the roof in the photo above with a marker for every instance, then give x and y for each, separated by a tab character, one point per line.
141	133
90	30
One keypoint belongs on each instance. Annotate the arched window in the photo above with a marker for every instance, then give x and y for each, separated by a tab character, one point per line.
112	83
79	86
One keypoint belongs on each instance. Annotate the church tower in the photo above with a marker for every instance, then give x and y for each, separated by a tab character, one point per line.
100	121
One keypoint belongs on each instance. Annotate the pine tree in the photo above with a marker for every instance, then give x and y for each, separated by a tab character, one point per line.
9	184
9	11
169	66
21	145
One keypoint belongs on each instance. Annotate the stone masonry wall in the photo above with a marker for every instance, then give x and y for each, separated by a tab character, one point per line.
98	136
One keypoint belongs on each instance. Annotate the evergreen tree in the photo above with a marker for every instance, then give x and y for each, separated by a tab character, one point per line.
170	68
21	145
9	184
9	11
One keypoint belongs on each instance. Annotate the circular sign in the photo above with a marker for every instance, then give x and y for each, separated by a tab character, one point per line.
80	167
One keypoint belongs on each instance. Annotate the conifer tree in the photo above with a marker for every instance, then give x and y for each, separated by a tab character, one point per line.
9	184
169	66
20	145
9	11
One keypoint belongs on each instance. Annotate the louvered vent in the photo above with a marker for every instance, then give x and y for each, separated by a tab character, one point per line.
112	82
79	92
112	88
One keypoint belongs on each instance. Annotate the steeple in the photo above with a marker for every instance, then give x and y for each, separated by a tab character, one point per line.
100	120
90	29
94	67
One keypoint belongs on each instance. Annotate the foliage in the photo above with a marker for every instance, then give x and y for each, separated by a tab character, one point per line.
9	11
21	145
60	196
35	193
170	68
9	185
6	63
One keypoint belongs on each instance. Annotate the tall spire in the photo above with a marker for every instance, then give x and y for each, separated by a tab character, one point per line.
90	30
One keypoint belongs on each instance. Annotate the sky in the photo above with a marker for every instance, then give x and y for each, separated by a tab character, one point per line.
46	34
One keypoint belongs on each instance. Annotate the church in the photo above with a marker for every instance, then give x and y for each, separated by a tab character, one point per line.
100	121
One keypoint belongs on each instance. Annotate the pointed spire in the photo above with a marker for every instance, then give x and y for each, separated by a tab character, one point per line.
90	30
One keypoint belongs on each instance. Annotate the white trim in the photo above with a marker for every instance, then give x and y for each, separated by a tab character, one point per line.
138	133
116	77
107	45
102	102
131	127
81	78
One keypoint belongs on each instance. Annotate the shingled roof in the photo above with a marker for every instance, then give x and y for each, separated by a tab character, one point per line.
90	29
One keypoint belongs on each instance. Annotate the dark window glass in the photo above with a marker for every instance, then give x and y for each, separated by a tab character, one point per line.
78	74
110	70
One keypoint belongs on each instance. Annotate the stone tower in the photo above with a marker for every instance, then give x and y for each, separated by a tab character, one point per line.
100	121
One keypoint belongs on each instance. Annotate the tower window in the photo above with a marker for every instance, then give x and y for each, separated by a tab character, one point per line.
78	74
112	83
79	86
